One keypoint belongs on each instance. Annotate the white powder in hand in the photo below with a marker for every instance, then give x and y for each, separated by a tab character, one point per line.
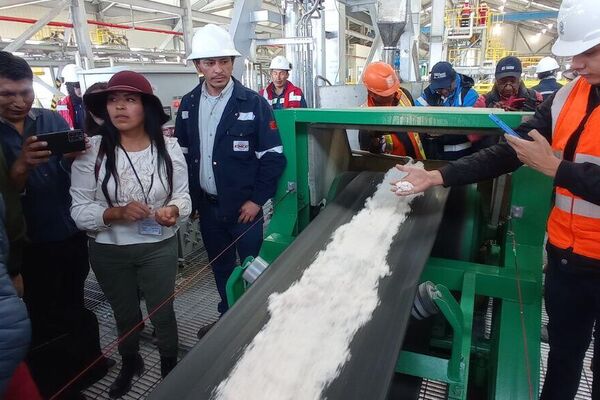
404	187
305	343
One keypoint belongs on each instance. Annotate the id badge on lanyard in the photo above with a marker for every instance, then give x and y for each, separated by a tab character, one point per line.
147	226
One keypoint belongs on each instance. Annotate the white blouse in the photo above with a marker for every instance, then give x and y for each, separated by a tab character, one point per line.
89	203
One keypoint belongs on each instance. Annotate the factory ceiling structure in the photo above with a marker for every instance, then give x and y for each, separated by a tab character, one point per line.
175	19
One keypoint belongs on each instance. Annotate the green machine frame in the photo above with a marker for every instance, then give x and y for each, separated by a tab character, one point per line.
511	274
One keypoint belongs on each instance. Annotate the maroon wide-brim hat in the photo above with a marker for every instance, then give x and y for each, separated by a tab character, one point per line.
124	81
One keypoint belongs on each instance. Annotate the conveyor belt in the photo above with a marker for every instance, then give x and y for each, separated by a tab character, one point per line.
375	346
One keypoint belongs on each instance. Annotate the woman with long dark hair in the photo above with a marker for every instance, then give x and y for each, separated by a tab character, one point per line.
129	191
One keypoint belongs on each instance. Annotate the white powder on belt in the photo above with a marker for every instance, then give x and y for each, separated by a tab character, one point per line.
305	343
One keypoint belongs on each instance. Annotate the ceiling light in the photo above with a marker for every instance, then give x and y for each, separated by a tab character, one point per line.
550	26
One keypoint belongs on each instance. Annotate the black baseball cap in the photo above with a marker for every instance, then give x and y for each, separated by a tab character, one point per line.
509	66
442	75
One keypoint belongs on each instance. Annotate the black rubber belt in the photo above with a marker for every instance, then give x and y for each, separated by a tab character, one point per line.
375	347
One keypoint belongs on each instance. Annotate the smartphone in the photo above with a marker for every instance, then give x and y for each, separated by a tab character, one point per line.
64	141
507	129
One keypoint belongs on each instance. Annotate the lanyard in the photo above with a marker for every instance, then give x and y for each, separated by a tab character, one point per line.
137	176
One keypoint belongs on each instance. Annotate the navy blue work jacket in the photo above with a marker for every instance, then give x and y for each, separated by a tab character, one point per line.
240	176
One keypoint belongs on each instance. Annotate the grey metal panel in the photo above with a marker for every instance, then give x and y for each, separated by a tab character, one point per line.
341	96
328	156
376	345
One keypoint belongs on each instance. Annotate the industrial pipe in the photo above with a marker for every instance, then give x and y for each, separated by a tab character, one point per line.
91	22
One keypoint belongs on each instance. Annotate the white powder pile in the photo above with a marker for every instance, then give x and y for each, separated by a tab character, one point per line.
304	345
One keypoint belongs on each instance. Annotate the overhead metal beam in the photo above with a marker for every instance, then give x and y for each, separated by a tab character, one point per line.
187	25
158	19
200	4
18	3
287	41
82	32
524	40
376	45
242	30
169	38
549	42
108	7
358	35
526	16
267	16
100	51
436	37
53	89
33	29
199	16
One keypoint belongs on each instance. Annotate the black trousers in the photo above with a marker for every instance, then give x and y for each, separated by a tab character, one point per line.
572	296
65	336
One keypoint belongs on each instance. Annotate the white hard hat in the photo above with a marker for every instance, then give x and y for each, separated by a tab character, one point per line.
70	73
280	62
578	27
212	41
546	64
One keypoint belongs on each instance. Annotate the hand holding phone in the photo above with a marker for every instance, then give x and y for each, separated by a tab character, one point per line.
34	152
507	129
63	142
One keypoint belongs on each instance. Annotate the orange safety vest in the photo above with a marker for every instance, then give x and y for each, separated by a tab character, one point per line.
574	222
393	145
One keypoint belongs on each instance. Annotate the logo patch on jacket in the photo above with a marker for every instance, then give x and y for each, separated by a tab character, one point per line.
246	116
273	125
241	145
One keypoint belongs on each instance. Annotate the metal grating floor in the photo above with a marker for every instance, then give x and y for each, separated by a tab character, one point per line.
195	307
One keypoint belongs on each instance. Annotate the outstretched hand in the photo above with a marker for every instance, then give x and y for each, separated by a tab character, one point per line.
419	178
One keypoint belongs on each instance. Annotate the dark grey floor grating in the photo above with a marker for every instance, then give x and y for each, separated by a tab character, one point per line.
195	306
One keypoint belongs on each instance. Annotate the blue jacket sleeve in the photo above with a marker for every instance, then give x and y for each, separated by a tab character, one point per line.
182	135
15	331
270	155
470	98
420	101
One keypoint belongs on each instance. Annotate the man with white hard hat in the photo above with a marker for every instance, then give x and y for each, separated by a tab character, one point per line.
234	155
562	141
281	93
546	71
70	107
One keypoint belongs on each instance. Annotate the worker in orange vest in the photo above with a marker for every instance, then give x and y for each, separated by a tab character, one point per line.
383	90
562	141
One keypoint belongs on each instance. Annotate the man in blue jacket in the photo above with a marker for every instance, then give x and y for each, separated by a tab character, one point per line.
448	89
234	154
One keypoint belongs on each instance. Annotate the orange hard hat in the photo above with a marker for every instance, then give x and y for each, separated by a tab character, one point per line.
381	79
